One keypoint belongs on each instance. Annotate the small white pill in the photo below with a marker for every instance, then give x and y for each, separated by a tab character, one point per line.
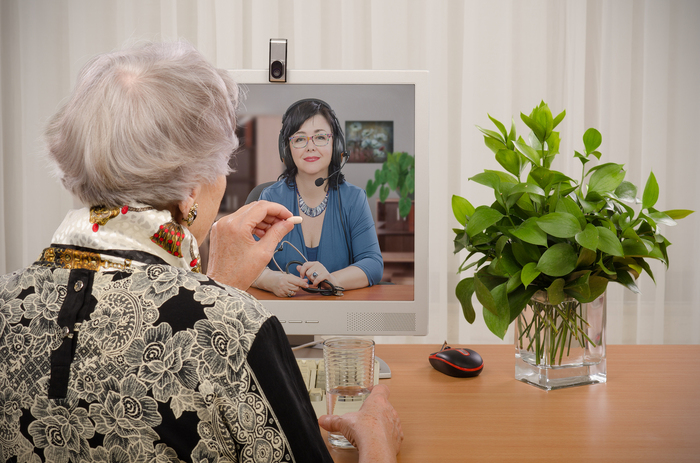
295	220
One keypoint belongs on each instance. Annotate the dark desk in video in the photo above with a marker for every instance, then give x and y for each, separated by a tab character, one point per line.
648	411
373	293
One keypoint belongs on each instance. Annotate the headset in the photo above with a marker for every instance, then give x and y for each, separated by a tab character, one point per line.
339	156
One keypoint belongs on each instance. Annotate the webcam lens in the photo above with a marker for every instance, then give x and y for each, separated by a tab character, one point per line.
276	69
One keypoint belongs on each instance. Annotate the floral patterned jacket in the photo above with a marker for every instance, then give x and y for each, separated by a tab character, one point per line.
144	364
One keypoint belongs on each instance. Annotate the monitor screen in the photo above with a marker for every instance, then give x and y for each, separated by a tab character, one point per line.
381	112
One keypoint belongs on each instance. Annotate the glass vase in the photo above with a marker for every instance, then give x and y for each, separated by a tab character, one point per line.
560	345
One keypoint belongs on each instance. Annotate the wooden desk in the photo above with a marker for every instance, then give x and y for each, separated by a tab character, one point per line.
648	411
372	293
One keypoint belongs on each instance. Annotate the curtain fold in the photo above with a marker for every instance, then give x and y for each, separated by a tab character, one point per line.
628	68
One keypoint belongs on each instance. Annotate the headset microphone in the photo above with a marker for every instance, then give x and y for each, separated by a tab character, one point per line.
319	181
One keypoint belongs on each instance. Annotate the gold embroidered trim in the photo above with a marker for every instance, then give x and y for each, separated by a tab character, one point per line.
74	259
100	215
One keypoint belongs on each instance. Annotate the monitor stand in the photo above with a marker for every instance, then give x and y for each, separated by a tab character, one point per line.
316	351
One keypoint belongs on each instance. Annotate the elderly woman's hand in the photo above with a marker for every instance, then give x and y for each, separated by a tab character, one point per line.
235	257
375	430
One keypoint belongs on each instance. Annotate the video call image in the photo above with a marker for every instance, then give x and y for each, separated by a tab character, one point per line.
378	121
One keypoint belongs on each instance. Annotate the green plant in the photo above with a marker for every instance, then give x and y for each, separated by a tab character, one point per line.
551	232
397	174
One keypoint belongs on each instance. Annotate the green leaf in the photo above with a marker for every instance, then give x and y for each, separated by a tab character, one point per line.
558	119
651	192
491	134
569	205
633	247
384	193
543	177
606	178
464	292
503	176
597	286
605	269
483	294
510	160
543	116
494	145
489	179
627	191
371	188
609	243
592	140
535	126
560	224
500	126
461	208
513	282
482	219
677	214
588	238
527	188
530	232
661	218
558	260
518	299
579	287
555	292
498	322
585	258
393	178
508	261
405	205
527	151
525	252
625	279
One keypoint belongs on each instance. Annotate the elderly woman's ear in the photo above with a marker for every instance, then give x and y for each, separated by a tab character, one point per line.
188	208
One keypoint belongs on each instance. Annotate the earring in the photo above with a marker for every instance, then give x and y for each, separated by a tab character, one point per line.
169	237
191	215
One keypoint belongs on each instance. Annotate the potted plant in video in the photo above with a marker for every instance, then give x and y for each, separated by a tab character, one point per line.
545	250
396	174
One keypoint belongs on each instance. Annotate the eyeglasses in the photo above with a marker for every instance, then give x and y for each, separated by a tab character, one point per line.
300	141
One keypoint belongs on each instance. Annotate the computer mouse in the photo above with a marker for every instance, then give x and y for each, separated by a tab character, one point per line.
459	362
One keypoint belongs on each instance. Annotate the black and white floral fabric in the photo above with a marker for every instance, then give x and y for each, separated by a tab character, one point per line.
164	365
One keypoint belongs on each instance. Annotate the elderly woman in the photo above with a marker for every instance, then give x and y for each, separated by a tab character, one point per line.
112	345
337	240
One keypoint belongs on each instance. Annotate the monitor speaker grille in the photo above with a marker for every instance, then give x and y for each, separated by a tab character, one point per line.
359	321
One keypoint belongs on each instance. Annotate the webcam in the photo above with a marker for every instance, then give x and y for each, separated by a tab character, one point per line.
278	60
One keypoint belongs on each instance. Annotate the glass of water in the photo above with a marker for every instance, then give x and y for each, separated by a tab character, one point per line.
349	366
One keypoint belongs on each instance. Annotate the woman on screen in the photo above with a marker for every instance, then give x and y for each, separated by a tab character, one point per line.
337	240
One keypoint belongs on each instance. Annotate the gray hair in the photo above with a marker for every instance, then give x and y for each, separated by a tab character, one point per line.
144	124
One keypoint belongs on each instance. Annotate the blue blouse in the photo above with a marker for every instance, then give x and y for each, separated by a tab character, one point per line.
333	248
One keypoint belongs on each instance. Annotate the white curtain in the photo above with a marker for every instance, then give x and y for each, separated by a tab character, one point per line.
628	68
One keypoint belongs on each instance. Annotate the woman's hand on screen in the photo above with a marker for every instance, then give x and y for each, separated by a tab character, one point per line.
284	284
315	272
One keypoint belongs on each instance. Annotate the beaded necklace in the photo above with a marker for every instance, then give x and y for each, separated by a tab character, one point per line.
312	212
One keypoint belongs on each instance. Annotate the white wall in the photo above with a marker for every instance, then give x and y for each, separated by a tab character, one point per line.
629	68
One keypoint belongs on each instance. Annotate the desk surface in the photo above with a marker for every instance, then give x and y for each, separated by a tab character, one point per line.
372	293
649	410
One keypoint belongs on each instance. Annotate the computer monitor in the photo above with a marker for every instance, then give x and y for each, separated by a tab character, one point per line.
393	101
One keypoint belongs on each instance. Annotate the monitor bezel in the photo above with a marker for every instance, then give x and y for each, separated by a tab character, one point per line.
324	317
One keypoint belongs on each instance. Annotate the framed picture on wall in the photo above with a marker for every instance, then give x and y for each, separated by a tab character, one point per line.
369	141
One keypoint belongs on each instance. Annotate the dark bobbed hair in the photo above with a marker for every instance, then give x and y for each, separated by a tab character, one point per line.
293	119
